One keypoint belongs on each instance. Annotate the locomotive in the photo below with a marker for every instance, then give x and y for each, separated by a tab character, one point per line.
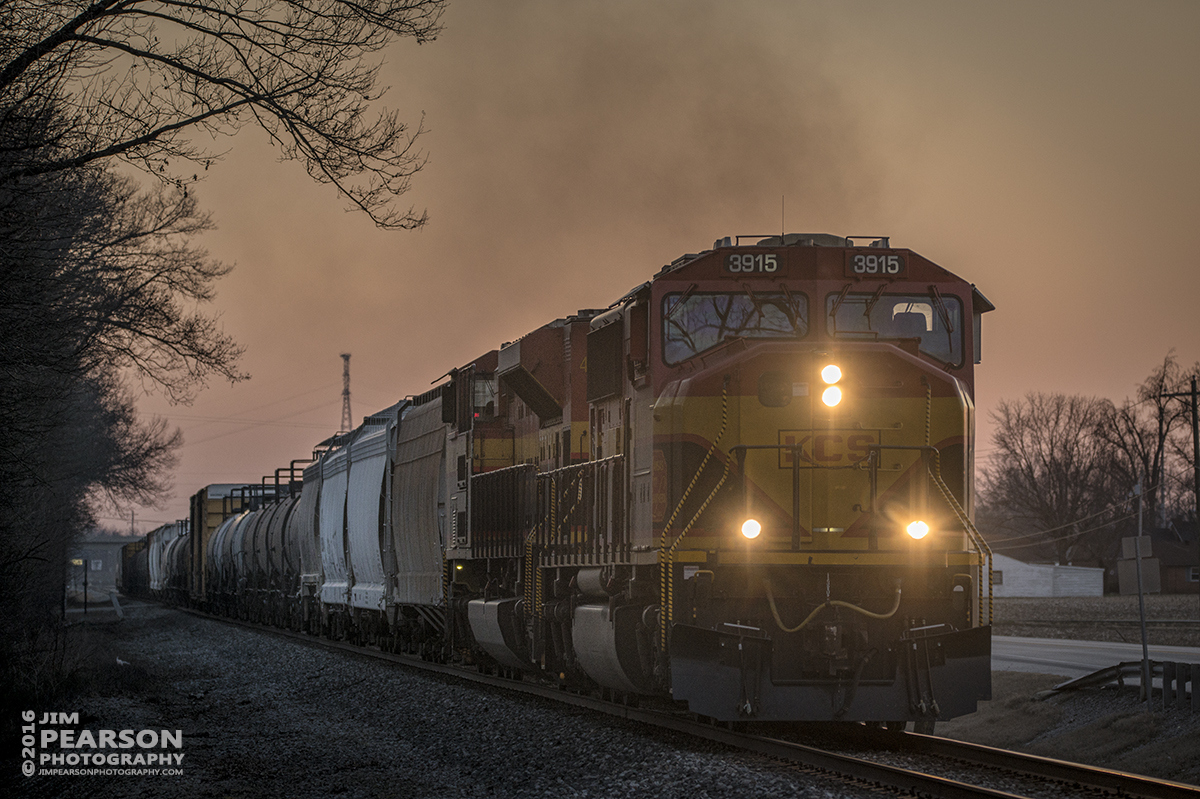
746	485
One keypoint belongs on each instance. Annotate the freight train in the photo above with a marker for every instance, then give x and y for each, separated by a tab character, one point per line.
746	485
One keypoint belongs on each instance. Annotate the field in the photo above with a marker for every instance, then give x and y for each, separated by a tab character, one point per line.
1172	620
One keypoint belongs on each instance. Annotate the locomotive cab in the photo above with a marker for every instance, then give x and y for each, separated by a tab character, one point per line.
815	434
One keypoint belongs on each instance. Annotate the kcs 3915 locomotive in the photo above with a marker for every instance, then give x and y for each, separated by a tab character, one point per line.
746	485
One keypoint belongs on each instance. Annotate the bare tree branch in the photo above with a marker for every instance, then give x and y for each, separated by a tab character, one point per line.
138	79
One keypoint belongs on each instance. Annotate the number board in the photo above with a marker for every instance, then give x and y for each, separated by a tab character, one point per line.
862	264
745	263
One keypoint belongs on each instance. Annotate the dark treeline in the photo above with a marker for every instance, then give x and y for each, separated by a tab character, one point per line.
98	285
103	290
1058	481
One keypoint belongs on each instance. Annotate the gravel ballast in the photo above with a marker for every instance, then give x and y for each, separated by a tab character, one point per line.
265	716
262	715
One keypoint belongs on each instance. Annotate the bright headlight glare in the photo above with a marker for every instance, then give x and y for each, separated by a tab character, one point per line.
751	528
832	396
918	530
831	373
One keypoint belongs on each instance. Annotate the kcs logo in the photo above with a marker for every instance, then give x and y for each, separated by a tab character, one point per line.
826	448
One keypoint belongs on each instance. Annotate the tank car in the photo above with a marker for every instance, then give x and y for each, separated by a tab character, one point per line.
133	579
746	485
162	548
175	558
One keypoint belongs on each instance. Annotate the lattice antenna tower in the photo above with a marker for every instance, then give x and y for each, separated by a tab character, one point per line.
347	418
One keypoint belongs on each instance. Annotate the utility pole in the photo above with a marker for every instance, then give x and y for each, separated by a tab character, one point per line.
347	419
1147	685
1192	395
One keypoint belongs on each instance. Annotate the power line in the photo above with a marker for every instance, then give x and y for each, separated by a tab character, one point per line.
261	407
1101	512
244	421
243	427
999	544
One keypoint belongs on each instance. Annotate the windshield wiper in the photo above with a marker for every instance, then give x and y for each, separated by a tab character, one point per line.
682	299
936	296
871	303
753	298
838	304
793	308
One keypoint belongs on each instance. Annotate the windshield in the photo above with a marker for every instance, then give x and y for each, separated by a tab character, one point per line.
693	323
937	322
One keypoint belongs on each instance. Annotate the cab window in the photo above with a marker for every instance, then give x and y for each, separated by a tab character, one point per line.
935	320
694	323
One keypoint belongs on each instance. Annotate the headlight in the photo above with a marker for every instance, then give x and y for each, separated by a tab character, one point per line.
832	396
751	528
918	530
831	374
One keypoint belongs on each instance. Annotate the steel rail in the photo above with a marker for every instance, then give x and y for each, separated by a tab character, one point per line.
838	765
1119	782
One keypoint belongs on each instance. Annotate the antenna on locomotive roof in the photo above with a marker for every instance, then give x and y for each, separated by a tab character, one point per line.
782	218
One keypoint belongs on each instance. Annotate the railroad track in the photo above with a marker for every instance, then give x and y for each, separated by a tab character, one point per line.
905	764
1155	624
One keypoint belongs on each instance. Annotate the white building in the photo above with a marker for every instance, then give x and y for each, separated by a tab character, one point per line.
1012	577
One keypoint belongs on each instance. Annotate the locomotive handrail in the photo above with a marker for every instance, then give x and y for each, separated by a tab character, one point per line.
553	473
797	447
527	578
666	556
594	506
934	468
670	557
936	472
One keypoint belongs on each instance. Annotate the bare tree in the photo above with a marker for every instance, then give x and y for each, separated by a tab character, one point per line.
147	81
93	445
1046	487
1062	476
1138	433
100	281
102	276
1183	450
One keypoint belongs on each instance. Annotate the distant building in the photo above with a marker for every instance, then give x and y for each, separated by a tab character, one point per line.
1170	561
1012	577
96	558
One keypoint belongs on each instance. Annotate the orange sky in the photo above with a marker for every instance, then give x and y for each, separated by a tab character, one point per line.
1047	152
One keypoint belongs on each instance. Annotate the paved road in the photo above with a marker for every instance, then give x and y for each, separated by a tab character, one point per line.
1075	658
